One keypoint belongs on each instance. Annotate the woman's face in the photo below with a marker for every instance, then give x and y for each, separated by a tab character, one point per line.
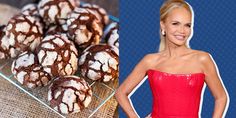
177	26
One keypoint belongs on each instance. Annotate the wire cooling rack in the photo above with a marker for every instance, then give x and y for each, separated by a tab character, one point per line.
40	94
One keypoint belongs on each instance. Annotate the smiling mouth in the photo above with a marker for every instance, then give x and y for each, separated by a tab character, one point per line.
180	37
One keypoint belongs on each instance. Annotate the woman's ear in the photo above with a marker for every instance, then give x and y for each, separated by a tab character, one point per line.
162	25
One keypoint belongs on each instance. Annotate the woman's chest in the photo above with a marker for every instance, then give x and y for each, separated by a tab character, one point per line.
178	66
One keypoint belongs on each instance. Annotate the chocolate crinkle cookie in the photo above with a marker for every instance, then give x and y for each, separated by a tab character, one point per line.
111	34
69	94
84	28
58	55
99	62
57	29
4	51
28	72
23	33
98	11
56	11
30	9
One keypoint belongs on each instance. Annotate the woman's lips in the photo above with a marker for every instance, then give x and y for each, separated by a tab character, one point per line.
180	37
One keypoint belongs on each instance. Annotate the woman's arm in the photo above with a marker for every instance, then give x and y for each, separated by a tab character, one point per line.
134	78
215	85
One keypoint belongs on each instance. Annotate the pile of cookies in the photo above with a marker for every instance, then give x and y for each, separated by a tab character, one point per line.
52	41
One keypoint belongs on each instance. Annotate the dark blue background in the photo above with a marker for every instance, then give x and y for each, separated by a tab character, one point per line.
214	32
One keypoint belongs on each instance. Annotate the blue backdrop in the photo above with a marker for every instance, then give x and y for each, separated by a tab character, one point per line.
214	32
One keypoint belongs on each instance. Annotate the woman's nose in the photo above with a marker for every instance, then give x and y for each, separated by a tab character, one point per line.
181	29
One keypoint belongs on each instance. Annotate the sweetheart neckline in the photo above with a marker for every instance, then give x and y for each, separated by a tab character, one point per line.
197	73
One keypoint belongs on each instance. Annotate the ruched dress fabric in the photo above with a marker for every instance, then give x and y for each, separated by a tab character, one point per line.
175	95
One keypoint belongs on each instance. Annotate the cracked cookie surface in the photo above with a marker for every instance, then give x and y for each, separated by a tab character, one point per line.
28	72
58	55
69	94
99	62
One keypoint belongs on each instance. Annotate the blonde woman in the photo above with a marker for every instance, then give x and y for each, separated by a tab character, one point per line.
176	73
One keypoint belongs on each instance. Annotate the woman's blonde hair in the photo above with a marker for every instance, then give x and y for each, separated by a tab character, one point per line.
167	6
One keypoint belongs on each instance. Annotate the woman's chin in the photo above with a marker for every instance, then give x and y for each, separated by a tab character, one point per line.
179	43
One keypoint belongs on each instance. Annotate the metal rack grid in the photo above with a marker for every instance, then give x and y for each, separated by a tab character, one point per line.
40	94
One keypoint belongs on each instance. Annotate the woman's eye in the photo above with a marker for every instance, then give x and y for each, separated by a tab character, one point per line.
188	25
175	23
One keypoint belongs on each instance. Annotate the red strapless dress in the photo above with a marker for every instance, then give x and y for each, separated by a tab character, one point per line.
175	95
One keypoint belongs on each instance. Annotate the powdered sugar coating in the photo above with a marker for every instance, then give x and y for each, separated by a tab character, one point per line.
84	28
98	11
56	11
23	33
69	94
57	29
28	72
99	62
111	34
58	55
30	9
4	49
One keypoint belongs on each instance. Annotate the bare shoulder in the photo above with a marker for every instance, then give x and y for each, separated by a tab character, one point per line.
146	62
203	56
149	58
